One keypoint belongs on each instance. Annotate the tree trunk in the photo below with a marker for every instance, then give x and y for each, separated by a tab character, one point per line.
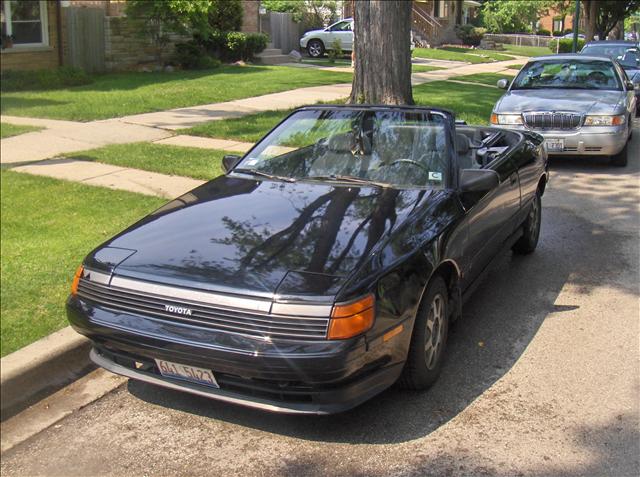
590	18
382	36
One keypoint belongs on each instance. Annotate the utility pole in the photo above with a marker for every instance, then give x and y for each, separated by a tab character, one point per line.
576	21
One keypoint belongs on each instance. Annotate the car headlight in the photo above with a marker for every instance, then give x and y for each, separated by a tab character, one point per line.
602	120
506	119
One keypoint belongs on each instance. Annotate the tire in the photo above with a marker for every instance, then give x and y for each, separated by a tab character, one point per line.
425	357
620	159
531	229
315	48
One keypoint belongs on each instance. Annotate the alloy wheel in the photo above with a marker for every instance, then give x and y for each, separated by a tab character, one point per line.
435	331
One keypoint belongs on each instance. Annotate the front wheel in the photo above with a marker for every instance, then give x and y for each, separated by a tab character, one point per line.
429	338
315	48
531	229
621	159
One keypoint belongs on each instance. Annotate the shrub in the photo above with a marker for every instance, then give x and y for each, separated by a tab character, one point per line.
470	35
256	43
233	45
566	45
225	15
335	51
58	78
543	32
557	33
193	56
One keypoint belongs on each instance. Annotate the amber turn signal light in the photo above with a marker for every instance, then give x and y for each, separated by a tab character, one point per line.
351	319
494	118
76	280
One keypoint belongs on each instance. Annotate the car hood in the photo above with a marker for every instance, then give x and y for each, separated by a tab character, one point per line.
313	32
583	101
262	237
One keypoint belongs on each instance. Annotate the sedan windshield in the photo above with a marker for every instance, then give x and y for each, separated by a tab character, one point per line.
381	148
568	74
628	57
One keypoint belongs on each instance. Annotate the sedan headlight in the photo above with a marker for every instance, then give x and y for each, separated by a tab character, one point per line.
602	120
506	119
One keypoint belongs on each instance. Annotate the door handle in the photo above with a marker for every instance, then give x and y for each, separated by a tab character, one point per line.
513	178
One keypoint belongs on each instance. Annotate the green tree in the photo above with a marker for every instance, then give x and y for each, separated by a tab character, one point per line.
225	15
512	16
601	16
312	13
156	19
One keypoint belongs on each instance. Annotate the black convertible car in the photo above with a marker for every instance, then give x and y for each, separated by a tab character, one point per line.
326	264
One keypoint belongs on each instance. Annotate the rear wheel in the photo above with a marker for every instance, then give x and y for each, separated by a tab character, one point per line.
620	159
315	48
429	338
531	229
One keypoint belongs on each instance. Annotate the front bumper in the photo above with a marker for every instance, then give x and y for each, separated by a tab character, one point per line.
291	376
586	141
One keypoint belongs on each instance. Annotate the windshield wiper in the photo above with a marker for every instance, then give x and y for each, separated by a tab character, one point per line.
253	172
351	179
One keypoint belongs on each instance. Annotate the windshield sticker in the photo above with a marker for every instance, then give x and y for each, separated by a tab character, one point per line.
251	162
435	176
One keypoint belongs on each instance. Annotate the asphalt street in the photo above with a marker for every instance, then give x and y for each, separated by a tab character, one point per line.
541	378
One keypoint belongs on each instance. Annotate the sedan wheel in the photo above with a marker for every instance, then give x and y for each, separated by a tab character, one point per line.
315	48
530	228
429	338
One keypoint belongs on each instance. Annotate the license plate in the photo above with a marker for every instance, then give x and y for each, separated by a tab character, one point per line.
188	373
555	145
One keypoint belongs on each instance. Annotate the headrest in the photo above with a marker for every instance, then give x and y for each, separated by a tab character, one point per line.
463	144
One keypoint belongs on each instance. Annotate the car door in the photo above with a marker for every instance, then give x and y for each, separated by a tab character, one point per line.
490	221
341	31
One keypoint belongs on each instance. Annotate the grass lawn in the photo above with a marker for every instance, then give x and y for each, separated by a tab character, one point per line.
484	78
8	130
524	50
182	161
424	68
248	128
119	94
460	54
516	66
470	103
48	226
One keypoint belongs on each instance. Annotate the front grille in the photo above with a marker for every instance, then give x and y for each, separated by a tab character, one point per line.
553	120
204	315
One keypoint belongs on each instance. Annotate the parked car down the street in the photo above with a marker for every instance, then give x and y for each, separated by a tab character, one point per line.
626	53
582	105
326	264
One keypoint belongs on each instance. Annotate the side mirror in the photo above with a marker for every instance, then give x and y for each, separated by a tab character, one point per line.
629	85
475	183
503	83
229	161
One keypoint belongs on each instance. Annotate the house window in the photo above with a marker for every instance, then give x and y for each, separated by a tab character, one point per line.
25	22
558	24
440	8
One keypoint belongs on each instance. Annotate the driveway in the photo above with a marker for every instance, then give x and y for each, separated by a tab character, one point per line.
542	377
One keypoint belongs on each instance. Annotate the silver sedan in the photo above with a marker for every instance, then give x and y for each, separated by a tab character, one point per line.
582	105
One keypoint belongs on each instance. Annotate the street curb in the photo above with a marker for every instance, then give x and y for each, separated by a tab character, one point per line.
41	368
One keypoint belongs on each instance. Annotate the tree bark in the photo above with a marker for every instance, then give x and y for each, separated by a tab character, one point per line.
382	36
590	18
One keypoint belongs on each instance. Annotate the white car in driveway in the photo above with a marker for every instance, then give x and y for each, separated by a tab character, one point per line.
317	42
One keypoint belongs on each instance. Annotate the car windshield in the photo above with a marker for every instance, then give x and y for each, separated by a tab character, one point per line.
400	149
568	74
628	57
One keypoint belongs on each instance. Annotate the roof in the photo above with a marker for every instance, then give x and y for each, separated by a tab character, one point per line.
612	42
570	56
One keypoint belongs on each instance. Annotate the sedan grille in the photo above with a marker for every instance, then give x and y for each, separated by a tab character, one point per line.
553	120
204	315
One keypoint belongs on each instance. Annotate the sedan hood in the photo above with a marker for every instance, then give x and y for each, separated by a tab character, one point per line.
264	238
583	101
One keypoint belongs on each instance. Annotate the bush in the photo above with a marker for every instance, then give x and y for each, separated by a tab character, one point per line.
192	56
557	33
470	35
566	45
58	78
225	15
233	45
335	51
543	32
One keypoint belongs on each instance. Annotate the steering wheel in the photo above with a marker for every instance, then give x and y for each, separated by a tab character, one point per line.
408	161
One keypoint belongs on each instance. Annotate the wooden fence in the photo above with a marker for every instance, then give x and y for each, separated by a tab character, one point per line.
284	33
85	38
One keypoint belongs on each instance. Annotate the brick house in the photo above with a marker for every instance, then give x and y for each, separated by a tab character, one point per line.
35	35
554	22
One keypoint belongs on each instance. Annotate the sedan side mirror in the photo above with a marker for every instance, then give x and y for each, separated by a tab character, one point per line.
475	183
229	161
629	85
503	83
